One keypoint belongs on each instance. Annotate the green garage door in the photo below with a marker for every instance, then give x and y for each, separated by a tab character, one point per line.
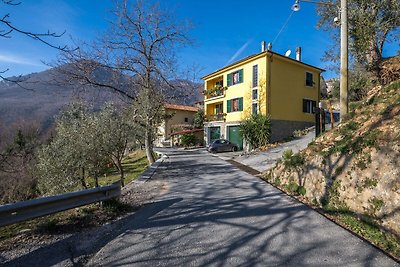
235	136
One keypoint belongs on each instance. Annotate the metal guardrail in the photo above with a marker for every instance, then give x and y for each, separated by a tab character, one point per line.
30	209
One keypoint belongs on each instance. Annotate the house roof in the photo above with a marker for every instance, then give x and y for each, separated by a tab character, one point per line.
181	107
257	55
187	131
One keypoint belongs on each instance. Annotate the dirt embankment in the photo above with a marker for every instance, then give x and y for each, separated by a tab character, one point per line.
356	166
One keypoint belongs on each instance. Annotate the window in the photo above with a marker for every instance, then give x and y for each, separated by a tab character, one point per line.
255	76
309	79
235	105
186	120
235	77
218	109
309	106
254	95
254	108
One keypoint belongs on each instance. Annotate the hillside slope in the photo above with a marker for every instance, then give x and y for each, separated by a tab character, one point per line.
354	167
39	96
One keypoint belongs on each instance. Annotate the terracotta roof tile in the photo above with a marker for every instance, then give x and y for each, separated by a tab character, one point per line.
181	107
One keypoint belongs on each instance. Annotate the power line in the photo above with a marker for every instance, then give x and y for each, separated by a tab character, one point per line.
283	27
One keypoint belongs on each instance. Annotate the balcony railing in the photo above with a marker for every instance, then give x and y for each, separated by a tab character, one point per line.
215	92
215	117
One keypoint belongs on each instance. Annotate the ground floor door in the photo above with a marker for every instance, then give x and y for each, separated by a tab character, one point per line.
214	133
235	136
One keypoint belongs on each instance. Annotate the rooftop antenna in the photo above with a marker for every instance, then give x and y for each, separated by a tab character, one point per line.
287	54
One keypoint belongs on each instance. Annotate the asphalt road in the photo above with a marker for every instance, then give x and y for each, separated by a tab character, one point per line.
214	214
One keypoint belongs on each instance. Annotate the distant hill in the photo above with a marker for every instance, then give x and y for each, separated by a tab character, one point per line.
40	96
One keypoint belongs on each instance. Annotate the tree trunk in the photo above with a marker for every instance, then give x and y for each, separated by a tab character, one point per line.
121	172
96	180
83	182
374	57
149	146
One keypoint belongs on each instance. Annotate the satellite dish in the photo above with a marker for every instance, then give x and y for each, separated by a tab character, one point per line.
287	54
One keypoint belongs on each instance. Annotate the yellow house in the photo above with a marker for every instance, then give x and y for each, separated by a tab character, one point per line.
267	83
181	119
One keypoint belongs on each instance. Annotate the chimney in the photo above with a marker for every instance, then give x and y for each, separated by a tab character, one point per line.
298	53
263	46
269	48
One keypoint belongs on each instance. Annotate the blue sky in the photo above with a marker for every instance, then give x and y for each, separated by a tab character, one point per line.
224	30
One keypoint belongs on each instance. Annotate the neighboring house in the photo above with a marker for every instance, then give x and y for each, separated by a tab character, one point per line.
266	83
181	119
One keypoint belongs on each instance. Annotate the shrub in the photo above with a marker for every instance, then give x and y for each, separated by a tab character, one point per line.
188	139
256	130
292	187
301	190
292	160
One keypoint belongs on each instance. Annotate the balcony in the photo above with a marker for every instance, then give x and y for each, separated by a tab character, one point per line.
214	92
215	117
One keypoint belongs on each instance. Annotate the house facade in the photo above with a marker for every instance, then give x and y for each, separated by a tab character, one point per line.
181	118
267	83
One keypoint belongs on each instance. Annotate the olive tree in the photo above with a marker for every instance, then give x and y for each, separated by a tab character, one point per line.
137	59
372	24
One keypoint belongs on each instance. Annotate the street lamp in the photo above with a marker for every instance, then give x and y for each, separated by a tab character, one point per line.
344	108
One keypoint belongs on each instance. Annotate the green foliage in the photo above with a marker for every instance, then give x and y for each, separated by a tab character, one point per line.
359	85
292	186
292	160
256	130
188	139
332	199
363	161
367	228
116	207
198	119
301	190
372	23
85	142
377	204
348	144
17	161
393	86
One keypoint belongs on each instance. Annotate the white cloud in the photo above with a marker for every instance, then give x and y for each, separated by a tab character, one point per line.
19	60
241	49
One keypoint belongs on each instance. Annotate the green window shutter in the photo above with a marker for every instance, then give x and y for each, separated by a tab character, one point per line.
241	104
304	105
228	106
241	76
229	79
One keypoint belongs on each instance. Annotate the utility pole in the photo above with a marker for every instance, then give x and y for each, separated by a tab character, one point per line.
344	107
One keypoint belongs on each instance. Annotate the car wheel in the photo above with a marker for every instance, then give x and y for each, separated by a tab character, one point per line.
234	149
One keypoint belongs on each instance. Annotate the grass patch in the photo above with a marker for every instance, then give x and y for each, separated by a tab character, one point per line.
350	145
134	165
87	216
68	221
366	227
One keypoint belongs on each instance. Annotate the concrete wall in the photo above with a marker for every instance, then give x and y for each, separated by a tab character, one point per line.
281	129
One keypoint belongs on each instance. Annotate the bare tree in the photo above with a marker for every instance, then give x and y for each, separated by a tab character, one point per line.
136	58
8	28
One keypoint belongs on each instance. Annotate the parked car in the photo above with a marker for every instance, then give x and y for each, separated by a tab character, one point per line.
222	145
